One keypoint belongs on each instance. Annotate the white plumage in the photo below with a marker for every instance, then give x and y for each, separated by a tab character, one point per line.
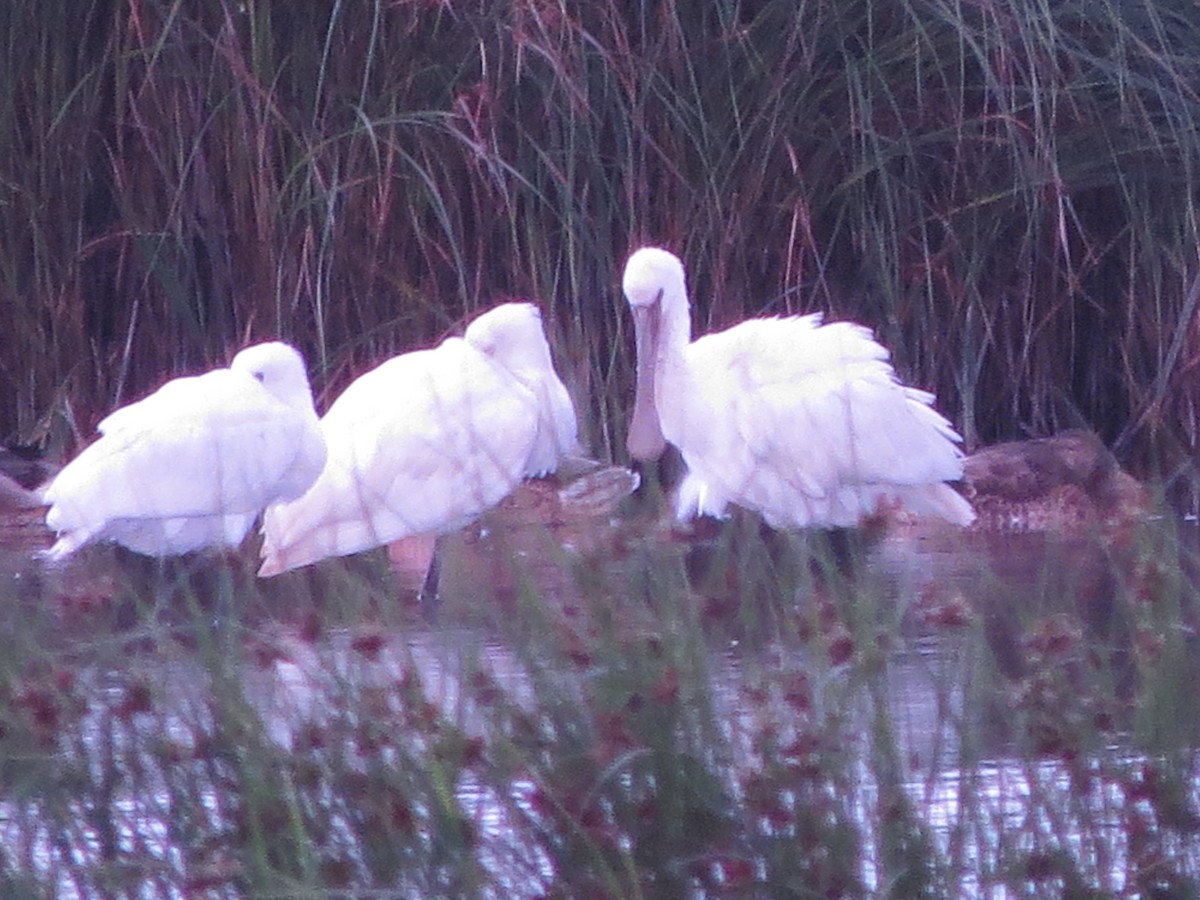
429	440
192	465
804	423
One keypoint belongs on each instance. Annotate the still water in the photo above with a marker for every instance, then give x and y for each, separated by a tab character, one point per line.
932	711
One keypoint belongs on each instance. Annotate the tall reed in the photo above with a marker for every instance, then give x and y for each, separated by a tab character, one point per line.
1004	191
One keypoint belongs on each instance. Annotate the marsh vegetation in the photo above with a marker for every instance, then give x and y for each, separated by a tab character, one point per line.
1005	192
926	715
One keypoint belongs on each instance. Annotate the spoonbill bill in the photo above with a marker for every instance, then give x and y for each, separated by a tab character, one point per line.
427	441
803	422
194	463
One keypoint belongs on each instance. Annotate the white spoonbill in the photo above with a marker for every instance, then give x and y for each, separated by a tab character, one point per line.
801	422
193	464
429	440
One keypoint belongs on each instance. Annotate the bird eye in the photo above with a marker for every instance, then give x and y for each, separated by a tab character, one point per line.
260	376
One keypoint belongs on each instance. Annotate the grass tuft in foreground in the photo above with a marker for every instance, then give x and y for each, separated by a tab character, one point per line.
611	726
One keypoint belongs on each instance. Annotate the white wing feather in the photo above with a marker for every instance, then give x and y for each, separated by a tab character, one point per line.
422	444
808	425
188	466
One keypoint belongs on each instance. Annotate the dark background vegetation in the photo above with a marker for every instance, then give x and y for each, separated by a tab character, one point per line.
1005	191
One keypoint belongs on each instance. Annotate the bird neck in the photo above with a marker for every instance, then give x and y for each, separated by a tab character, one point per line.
675	324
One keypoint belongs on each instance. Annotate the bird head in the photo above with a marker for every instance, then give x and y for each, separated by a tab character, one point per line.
279	367
511	334
648	274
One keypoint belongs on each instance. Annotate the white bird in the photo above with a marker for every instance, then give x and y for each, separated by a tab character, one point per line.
801	422
193	464
429	440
